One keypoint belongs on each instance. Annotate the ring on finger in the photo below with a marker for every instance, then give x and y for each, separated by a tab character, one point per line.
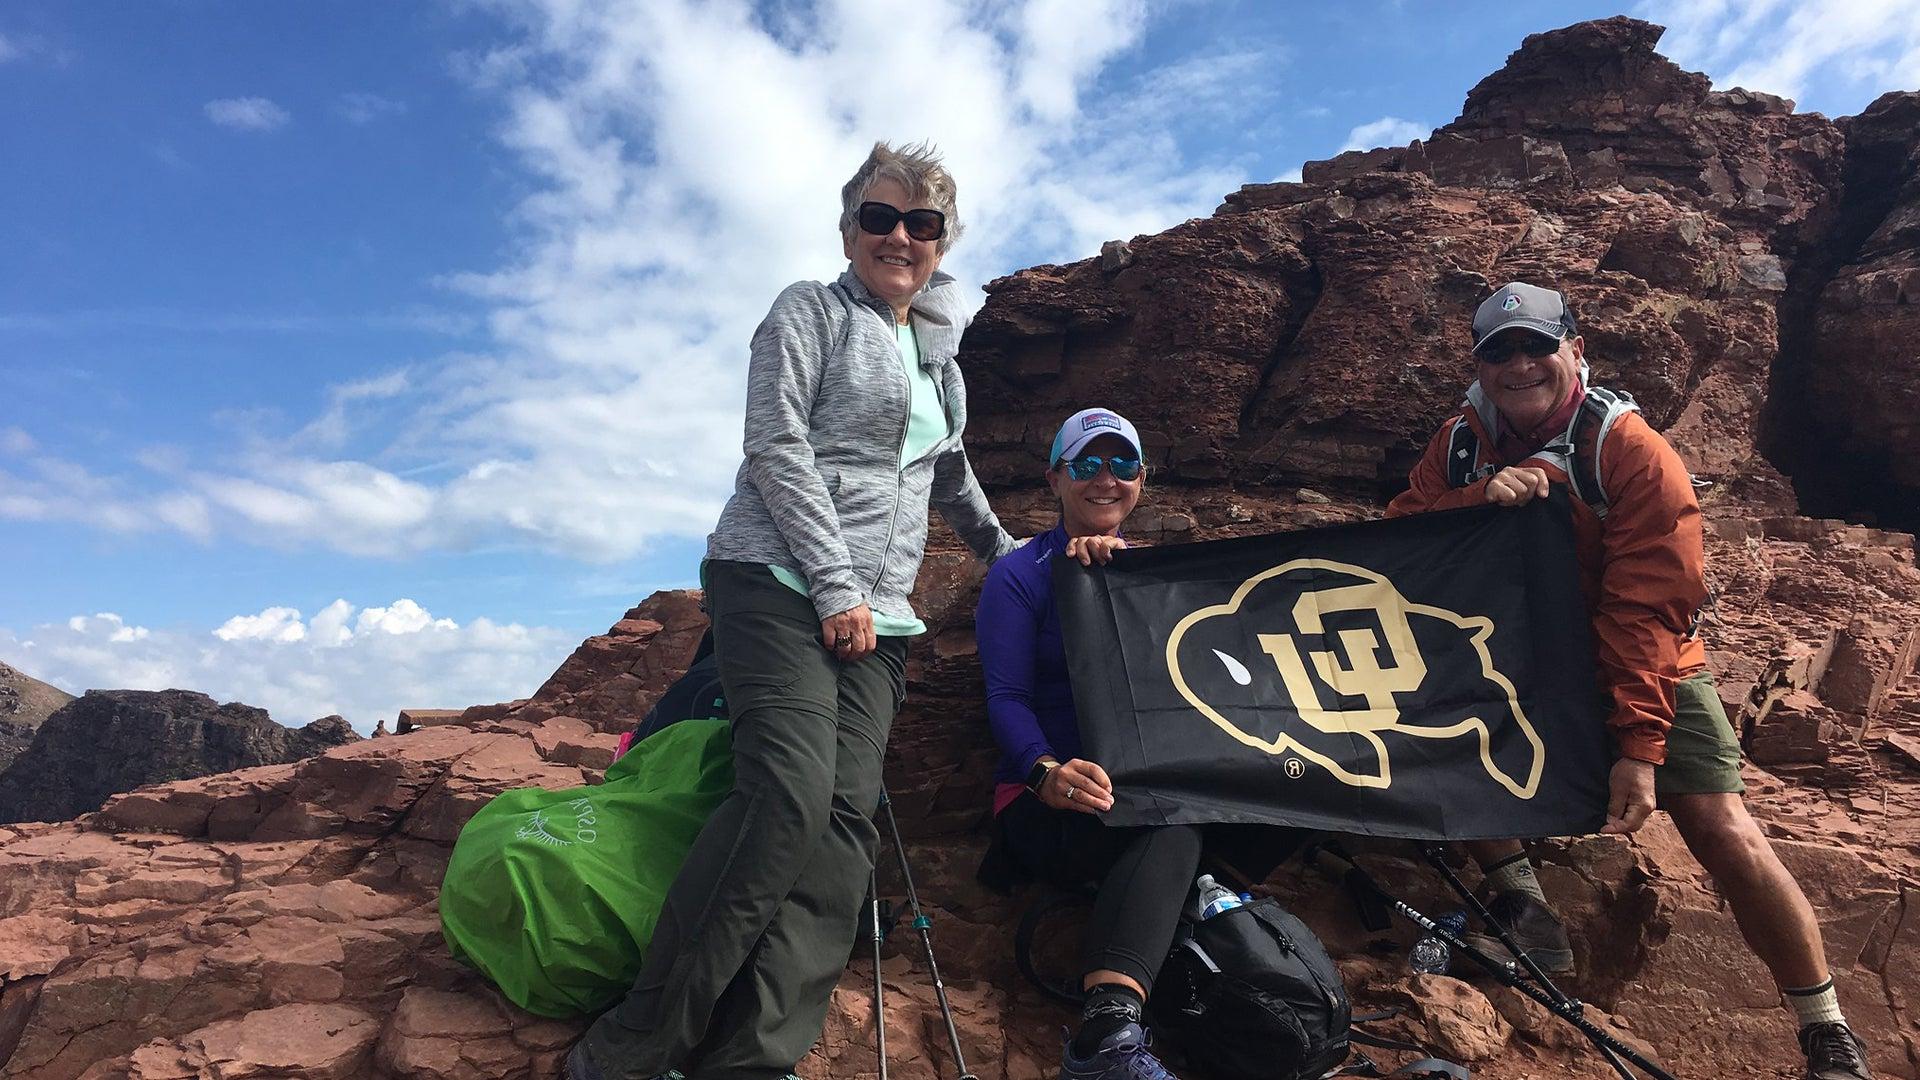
1072	791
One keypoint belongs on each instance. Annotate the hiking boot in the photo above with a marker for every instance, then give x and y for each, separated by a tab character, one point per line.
1122	1055
578	1066
1533	926
1834	1052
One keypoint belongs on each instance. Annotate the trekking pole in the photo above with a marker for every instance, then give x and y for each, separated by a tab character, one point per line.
879	991
1439	862
1564	1007
924	925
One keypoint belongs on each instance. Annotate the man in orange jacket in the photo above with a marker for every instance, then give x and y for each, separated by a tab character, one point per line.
1638	534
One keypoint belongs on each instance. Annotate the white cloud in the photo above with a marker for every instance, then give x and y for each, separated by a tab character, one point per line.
1291	176
402	617
8	50
1850	49
1386	131
395	657
15	441
361	107
605	412
274	624
331	428
108	626
247	113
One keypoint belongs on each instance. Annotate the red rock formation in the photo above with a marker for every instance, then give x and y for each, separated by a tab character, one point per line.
1851	369
1285	359
24	702
613	679
110	741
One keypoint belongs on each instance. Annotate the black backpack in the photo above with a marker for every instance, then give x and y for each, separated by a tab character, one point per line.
696	695
1251	994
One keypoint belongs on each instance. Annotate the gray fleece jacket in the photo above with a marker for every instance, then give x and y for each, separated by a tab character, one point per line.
822	491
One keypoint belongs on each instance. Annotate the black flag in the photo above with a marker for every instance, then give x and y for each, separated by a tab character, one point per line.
1428	677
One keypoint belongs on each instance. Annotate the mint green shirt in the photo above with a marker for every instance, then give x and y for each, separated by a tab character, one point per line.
926	427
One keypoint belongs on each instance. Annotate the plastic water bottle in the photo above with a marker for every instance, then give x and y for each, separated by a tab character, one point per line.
1214	897
1431	954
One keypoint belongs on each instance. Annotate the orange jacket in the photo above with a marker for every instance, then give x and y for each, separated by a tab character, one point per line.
1642	566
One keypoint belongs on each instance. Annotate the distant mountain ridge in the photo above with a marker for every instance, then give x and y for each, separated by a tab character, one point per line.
24	703
110	741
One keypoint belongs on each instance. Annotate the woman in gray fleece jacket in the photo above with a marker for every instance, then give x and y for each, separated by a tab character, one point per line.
855	408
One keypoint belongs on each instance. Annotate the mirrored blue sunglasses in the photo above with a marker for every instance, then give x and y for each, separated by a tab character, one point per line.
1087	466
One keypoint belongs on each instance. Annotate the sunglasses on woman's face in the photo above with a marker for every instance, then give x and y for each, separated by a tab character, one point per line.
879	219
1087	466
1500	350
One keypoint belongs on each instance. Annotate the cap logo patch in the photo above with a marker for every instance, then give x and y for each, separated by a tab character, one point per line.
1512	301
1099	420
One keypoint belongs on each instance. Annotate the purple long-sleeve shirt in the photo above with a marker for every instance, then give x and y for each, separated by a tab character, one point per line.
1029	700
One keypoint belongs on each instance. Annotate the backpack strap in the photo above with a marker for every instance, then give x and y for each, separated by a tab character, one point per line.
1575	451
1587	434
1427	1068
1067	991
1463	452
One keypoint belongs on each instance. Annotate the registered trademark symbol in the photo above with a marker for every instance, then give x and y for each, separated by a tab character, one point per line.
1295	768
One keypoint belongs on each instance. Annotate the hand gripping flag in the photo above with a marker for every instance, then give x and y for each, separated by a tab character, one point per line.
1428	677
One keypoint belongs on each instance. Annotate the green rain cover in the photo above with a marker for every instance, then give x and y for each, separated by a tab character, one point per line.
554	894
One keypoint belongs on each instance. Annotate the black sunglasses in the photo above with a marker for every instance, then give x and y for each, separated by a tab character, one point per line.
1501	349
879	219
1087	466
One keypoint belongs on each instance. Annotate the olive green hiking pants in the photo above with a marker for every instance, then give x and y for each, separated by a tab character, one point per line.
759	924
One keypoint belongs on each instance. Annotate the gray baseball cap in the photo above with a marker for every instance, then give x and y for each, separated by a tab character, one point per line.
1519	305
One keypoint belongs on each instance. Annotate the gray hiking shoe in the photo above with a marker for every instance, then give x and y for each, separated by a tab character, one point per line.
1533	926
1834	1052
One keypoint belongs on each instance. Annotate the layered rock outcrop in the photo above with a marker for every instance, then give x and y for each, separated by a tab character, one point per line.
24	703
110	741
1847	416
1285	359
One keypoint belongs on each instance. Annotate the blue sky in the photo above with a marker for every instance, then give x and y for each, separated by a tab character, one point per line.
365	355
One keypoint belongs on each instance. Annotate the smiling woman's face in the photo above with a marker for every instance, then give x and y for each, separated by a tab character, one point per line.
1527	389
1096	507
894	267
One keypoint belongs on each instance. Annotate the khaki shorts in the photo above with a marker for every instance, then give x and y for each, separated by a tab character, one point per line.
1703	753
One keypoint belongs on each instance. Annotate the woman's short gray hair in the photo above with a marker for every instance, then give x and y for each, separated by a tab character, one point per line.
915	167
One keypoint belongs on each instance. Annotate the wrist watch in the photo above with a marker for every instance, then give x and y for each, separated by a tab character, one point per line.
1038	774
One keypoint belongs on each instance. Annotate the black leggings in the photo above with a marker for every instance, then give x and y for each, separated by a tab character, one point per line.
1144	875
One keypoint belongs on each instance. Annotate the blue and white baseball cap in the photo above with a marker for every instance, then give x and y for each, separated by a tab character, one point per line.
1087	425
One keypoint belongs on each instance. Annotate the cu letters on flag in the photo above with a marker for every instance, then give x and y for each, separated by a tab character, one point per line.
1348	671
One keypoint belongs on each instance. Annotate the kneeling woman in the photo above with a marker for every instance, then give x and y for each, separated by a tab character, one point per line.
1049	798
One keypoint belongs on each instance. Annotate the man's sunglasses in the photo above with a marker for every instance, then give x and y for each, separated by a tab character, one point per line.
879	219
1087	466
1501	349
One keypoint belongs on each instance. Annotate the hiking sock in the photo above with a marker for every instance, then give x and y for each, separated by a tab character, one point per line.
1514	874
1110	1007
1816	1004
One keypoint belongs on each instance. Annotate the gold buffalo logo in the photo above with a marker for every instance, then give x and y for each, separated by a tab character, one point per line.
1358	625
